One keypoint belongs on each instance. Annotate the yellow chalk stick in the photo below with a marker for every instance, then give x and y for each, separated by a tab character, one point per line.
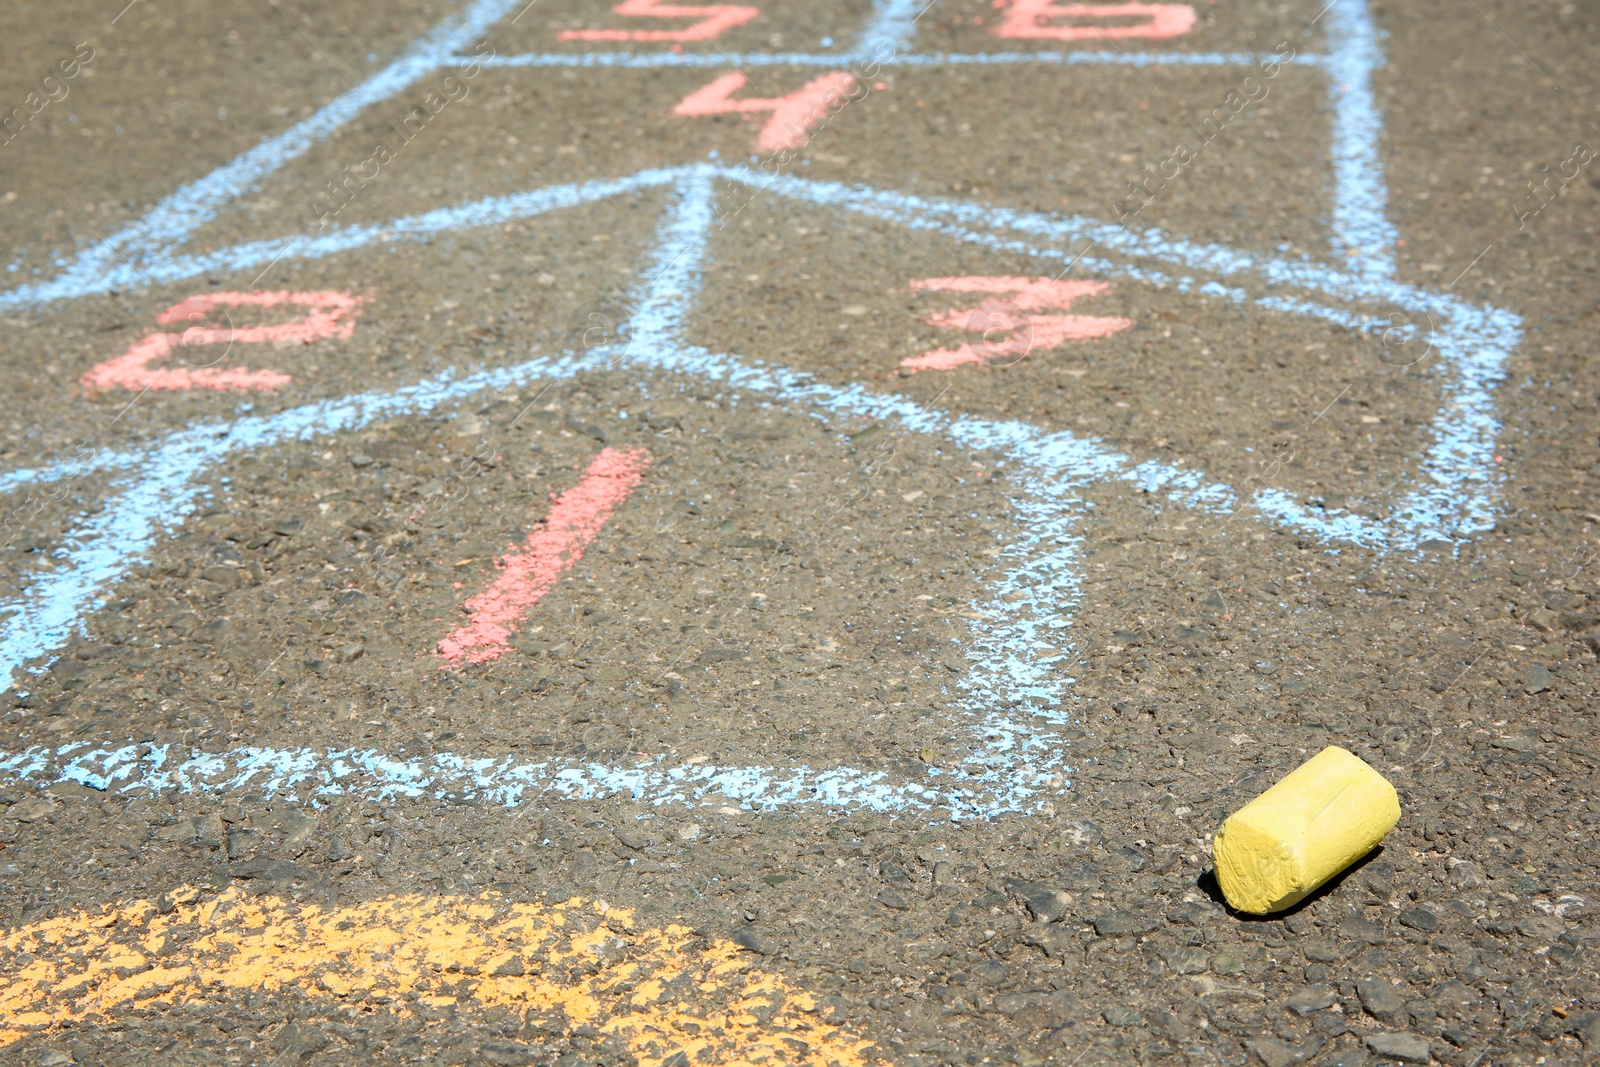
1322	817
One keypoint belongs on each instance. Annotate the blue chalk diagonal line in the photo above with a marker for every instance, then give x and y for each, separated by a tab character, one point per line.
195	204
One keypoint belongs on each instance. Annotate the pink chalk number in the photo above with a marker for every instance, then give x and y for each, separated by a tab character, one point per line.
528	572
794	117
331	315
1008	328
715	20
1041	19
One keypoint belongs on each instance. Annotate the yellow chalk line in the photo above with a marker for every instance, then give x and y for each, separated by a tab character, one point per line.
659	990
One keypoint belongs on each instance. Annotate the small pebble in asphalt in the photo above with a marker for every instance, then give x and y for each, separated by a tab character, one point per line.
1312	998
1538	678
1407	1048
1125	924
1274	1053
748	939
1382	1000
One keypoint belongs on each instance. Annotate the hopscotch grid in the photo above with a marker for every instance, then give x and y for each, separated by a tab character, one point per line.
482	213
473	214
1059	466
658	320
1050	505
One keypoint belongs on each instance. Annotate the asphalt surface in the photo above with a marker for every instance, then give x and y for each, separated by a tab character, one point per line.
838	710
